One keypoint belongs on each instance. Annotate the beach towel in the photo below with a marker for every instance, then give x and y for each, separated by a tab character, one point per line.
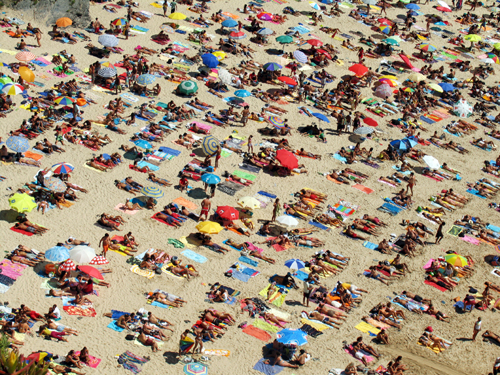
217	352
370	245
493	228
257	333
80	311
151	167
245	175
344	208
248	261
319	225
367	328
471	240
262	324
145	273
435	286
14	229
351	352
362	188
194	256
475	192
435	349
455	231
249	168
301	275
93	361
278	297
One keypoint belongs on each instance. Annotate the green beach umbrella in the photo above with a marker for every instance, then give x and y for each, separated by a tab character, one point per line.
187	87
284	39
391	41
496	46
5	80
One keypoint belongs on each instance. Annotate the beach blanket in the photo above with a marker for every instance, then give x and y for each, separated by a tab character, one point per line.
257	333
367	328
194	256
130	362
145	273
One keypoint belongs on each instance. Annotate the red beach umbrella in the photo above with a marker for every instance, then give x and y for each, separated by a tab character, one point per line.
443	9
370	122
287	80
287	159
91	271
358	69
69	265
315	42
322	51
99	260
228	213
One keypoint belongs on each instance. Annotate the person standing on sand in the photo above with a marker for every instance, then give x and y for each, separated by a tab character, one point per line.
205	208
412	181
165	8
439	233
276	209
173	4
105	241
250	145
217	157
477	328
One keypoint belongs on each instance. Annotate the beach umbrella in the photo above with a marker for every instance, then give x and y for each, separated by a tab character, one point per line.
107	64
440	23
54	184
385	29
143	144
391	41
22	203
152	192
186	344
17	144
272	66
12	89
443	4
265	16
195	368
62	168
120	22
456	260
57	254
383	91
410	141
287	220
408	89
210	145
287	159
427	47
82	254
265	31
225	77
25	56
64	100
295	264
417	77
435	87
227	213
91	271
108	40
315	42
446	86
69	265
363	131
412	7
370	122
237	35
358	69
385	21
284	39
321	117
472	38
249	202
145	79
99	260
300	56
5	80
107	72
177	16
292	336
443	9
188	87
496	46
488	61
399	145
315	6
276	121
405	1
462	108
242	93
431	162
220	55
289	81
370	2
229	23
235	100
210	179
64	22
209	227
209	60
26	74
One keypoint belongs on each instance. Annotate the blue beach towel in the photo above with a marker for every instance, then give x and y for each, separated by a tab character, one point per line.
266	194
319	225
370	245
339	158
114	327
151	167
169	151
194	256
493	228
248	261
475	192
301	275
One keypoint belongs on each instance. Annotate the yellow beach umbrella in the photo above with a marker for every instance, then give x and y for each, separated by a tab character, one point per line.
209	227
177	16
22	202
26	74
456	260
220	55
417	77
473	38
249	202
496	46
435	87
389	77
64	22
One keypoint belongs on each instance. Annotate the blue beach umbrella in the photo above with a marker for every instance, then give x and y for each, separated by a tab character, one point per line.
412	7
292	336
272	66
321	117
18	144
152	192
143	144
265	31
210	145
209	60
108	40
411	142
210	178
446	86
145	79
295	264
399	144
229	23
242	93
57	254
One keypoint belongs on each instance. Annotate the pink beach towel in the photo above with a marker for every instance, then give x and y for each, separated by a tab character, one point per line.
471	240
94	362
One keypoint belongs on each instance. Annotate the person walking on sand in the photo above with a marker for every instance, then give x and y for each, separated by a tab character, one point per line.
105	241
165	8
250	145
217	157
477	328
173	4
205	208
308	287
276	209
412	181
439	233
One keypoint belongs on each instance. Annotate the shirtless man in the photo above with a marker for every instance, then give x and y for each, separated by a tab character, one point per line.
147	341
331	313
323	319
162	323
179	271
167	299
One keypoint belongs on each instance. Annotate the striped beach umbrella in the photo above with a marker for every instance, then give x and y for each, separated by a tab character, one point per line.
276	121
120	22
18	144
25	56
108	40
107	64
64	100
427	47
145	79
272	66
295	264
210	145
62	168
107	72
300	56
12	89
188	87
385	29
152	192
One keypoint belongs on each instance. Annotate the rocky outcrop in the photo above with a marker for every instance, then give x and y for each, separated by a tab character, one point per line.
49	11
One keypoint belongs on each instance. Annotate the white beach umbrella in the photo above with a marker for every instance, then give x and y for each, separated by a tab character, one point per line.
82	254
287	220
225	76
431	162
462	108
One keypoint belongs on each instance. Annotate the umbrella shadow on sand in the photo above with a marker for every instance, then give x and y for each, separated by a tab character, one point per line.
197	193
199	152
171	358
355	138
419	170
275	51
10	216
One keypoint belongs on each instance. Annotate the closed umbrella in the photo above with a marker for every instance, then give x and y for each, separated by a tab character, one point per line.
69	265
188	87
370	122
265	31
152	192
12	89
358	69
295	264
321	117
272	66
177	16
249	202
462	108
99	260
287	159
229	23
107	72
57	254
210	179
82	254
209	227
383	91
431	162
363	131
210	145
25	56
17	144
22	203
227	213
143	144
145	79
91	271
209	60
287	220
292	336
300	56
64	22
62	168
54	184
108	40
